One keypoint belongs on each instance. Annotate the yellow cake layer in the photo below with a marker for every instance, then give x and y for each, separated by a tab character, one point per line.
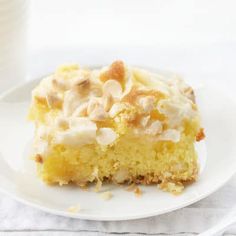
134	156
139	156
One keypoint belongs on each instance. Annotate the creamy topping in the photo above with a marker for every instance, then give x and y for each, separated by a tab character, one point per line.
170	135
83	99
81	131
147	103
72	100
176	110
106	136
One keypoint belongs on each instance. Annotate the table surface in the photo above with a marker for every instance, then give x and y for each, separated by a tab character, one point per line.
178	36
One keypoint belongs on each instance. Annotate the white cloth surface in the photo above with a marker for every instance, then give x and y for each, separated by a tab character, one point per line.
16	217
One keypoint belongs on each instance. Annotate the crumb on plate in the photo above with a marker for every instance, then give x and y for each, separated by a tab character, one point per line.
106	195
138	192
74	209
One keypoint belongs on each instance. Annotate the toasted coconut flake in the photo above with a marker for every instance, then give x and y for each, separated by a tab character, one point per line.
147	103
200	135
92	104
116	109
106	136
98	113
144	121
107	102
135	93
113	87
190	94
83	83
82	86
154	128
95	110
81	110
116	72
72	100
53	101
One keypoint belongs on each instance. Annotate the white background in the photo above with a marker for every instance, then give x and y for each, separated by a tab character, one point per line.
131	22
196	38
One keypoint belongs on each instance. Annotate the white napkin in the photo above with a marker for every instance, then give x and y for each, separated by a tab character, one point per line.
25	220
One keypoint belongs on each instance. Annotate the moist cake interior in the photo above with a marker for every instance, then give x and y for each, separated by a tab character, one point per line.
118	123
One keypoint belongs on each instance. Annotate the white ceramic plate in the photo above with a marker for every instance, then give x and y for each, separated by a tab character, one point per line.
18	178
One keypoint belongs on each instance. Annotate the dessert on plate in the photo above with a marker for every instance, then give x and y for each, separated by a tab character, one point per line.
117	123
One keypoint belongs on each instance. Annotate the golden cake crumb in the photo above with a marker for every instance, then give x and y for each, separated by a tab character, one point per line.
106	195
200	135
74	209
39	158
175	188
138	192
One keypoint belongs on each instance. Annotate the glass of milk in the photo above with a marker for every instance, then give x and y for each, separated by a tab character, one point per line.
13	42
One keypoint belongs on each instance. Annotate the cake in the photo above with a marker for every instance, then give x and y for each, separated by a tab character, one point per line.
118	124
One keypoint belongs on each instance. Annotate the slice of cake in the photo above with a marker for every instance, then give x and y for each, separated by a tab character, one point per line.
118	124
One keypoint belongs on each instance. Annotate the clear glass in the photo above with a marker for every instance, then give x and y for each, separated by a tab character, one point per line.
13	42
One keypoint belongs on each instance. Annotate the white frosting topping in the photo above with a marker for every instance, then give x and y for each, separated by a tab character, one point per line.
84	98
72	100
81	131
176	110
106	136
